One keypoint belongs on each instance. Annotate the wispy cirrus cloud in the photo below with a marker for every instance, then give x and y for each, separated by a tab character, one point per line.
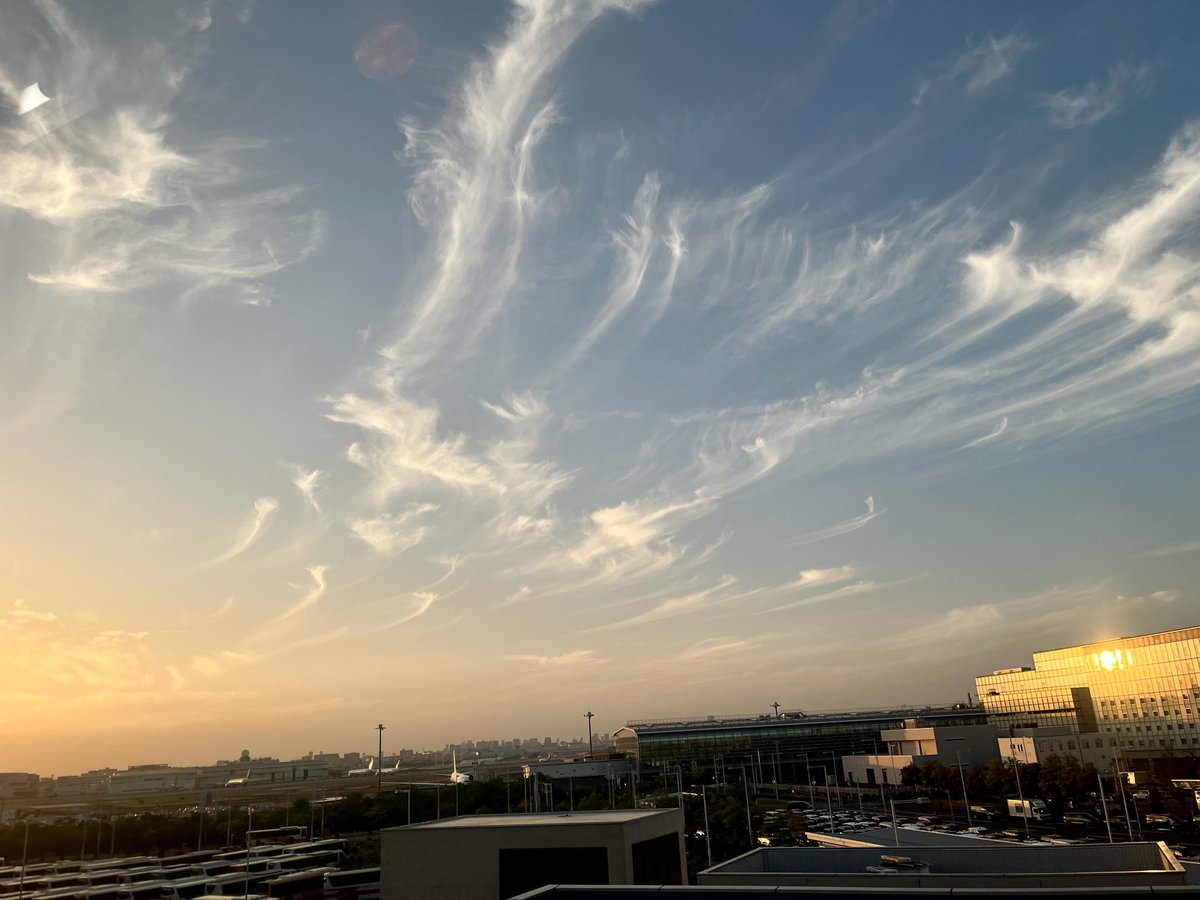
572	658
117	198
424	601
132	206
851	525
1001	427
312	596
856	589
980	65
816	577
1099	99
393	533
1174	549
251	529
306	481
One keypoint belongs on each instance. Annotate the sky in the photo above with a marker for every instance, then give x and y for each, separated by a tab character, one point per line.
469	367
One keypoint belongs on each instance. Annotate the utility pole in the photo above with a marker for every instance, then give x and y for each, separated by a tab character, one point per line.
588	715
379	761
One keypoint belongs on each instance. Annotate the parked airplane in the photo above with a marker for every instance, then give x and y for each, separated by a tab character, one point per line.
457	777
369	770
238	782
393	769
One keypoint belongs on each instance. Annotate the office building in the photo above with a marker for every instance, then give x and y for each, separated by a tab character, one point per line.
1131	703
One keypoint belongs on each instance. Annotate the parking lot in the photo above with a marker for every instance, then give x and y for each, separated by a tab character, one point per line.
779	828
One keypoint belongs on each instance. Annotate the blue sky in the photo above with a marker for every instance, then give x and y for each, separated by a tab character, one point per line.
467	369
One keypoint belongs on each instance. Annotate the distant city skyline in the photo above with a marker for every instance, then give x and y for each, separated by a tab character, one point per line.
470	368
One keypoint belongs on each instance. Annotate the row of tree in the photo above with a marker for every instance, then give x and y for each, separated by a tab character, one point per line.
1062	781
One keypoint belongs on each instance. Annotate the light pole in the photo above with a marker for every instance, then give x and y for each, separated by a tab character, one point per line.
962	780
588	715
1017	774
249	827
1104	806
379	761
24	857
812	801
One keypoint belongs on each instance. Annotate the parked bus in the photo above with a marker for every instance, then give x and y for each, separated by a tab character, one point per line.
235	884
352	884
212	867
309	885
285	834
184	889
187	859
141	890
294	863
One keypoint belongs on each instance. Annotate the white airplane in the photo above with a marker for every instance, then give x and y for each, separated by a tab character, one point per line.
238	782
393	769
457	777
369	770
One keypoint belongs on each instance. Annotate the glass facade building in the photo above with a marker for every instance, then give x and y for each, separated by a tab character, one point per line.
1137	697
793	741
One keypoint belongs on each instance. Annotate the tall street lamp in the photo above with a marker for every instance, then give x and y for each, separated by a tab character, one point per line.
588	715
962	779
379	761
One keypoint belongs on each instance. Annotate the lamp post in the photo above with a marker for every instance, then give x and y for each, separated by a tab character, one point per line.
707	835
24	857
812	801
1104	806
379	761
588	715
1017	774
962	780
249	827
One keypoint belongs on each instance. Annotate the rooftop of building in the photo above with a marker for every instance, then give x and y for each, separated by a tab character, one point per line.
797	717
1154	637
984	859
901	837
534	820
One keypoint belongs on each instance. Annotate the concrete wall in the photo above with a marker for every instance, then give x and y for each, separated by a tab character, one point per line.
459	859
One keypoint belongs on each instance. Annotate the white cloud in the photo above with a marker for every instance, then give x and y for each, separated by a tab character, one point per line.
562	660
681	604
251	529
306	481
114	199
312	596
1098	100
851	590
392	533
981	65
22	613
817	577
824	534
424	601
1174	549
1001	427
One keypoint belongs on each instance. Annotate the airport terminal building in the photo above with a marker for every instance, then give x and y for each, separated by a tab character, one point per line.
1136	700
790	747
